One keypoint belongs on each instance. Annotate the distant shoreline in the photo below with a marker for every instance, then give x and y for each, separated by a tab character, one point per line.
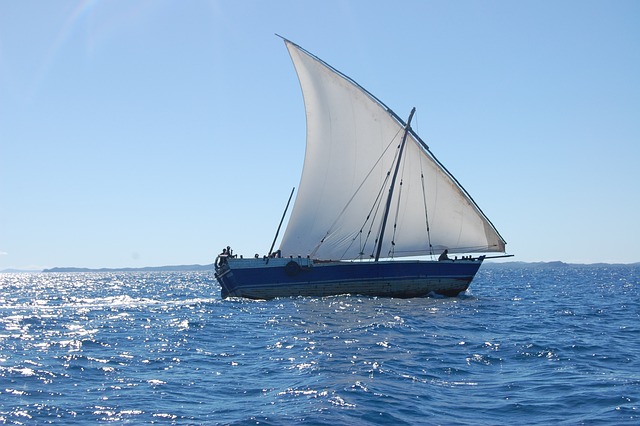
209	267
175	268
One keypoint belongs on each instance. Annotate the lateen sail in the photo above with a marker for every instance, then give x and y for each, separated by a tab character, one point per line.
352	145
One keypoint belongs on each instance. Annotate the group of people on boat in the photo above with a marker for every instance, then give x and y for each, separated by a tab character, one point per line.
224	256
228	252
445	256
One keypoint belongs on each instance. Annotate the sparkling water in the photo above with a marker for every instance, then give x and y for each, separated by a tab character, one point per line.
526	344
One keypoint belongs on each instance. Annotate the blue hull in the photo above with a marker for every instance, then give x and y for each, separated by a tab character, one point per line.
270	278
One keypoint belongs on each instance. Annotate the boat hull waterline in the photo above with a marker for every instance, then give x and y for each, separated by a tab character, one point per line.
280	277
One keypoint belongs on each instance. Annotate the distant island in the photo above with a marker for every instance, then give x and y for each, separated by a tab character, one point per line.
177	268
554	264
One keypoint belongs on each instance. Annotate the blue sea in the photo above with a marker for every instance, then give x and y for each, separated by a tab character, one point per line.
529	344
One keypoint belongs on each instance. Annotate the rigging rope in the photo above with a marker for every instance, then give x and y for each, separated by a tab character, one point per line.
335	222
395	223
374	210
395	218
396	158
426	210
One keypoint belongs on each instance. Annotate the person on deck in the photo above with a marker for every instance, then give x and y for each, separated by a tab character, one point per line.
222	257
444	256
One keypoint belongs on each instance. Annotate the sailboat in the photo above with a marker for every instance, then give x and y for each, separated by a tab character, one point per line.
376	214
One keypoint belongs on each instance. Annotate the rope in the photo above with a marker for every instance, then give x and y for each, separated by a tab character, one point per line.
377	200
426	210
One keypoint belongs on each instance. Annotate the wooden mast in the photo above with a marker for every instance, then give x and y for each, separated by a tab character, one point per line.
281	220
393	184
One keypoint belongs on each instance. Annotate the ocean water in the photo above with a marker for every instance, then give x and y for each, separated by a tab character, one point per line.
526	344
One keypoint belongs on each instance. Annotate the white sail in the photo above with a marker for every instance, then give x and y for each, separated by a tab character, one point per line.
352	146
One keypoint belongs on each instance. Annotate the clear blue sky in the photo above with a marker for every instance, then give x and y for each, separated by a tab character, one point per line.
145	133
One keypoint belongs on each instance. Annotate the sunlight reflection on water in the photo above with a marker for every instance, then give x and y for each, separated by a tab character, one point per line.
522	345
